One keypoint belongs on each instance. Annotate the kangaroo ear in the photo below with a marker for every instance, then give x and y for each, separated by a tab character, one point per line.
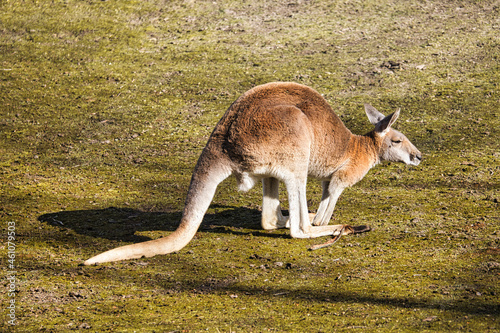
384	124
373	115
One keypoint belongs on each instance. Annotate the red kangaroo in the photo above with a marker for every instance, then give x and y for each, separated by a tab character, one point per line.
285	132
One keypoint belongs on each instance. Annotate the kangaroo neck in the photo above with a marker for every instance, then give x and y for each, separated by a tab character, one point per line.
364	149
360	156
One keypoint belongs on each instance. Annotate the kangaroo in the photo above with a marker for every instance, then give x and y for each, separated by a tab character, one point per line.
281	131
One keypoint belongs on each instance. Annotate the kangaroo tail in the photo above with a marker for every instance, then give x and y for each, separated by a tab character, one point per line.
206	177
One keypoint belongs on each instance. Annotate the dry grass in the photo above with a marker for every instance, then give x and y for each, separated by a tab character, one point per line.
106	106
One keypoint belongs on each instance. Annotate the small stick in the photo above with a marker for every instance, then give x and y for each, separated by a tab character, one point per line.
345	228
329	242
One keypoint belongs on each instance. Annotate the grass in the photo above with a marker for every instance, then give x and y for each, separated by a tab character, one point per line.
106	106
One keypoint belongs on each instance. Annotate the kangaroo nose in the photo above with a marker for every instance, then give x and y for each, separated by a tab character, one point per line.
417	158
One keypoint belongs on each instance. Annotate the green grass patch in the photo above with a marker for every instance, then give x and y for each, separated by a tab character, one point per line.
106	106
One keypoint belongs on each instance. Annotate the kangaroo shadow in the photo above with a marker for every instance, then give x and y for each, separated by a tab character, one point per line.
123	223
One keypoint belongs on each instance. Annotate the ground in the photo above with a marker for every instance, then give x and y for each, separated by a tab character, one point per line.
106	106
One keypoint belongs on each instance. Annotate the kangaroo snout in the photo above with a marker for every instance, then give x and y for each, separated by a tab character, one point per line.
415	157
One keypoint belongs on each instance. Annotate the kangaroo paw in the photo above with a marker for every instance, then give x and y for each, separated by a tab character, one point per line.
329	242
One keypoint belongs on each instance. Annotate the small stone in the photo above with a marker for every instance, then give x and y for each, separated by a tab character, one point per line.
84	326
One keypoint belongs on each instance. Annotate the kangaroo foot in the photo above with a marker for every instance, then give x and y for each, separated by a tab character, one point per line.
284	221
346	230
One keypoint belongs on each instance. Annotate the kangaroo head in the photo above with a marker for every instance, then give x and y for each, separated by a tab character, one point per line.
395	145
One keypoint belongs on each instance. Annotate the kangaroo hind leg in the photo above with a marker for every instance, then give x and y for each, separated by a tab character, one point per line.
272	218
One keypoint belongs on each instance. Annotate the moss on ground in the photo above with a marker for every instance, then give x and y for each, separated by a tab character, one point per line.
106	106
